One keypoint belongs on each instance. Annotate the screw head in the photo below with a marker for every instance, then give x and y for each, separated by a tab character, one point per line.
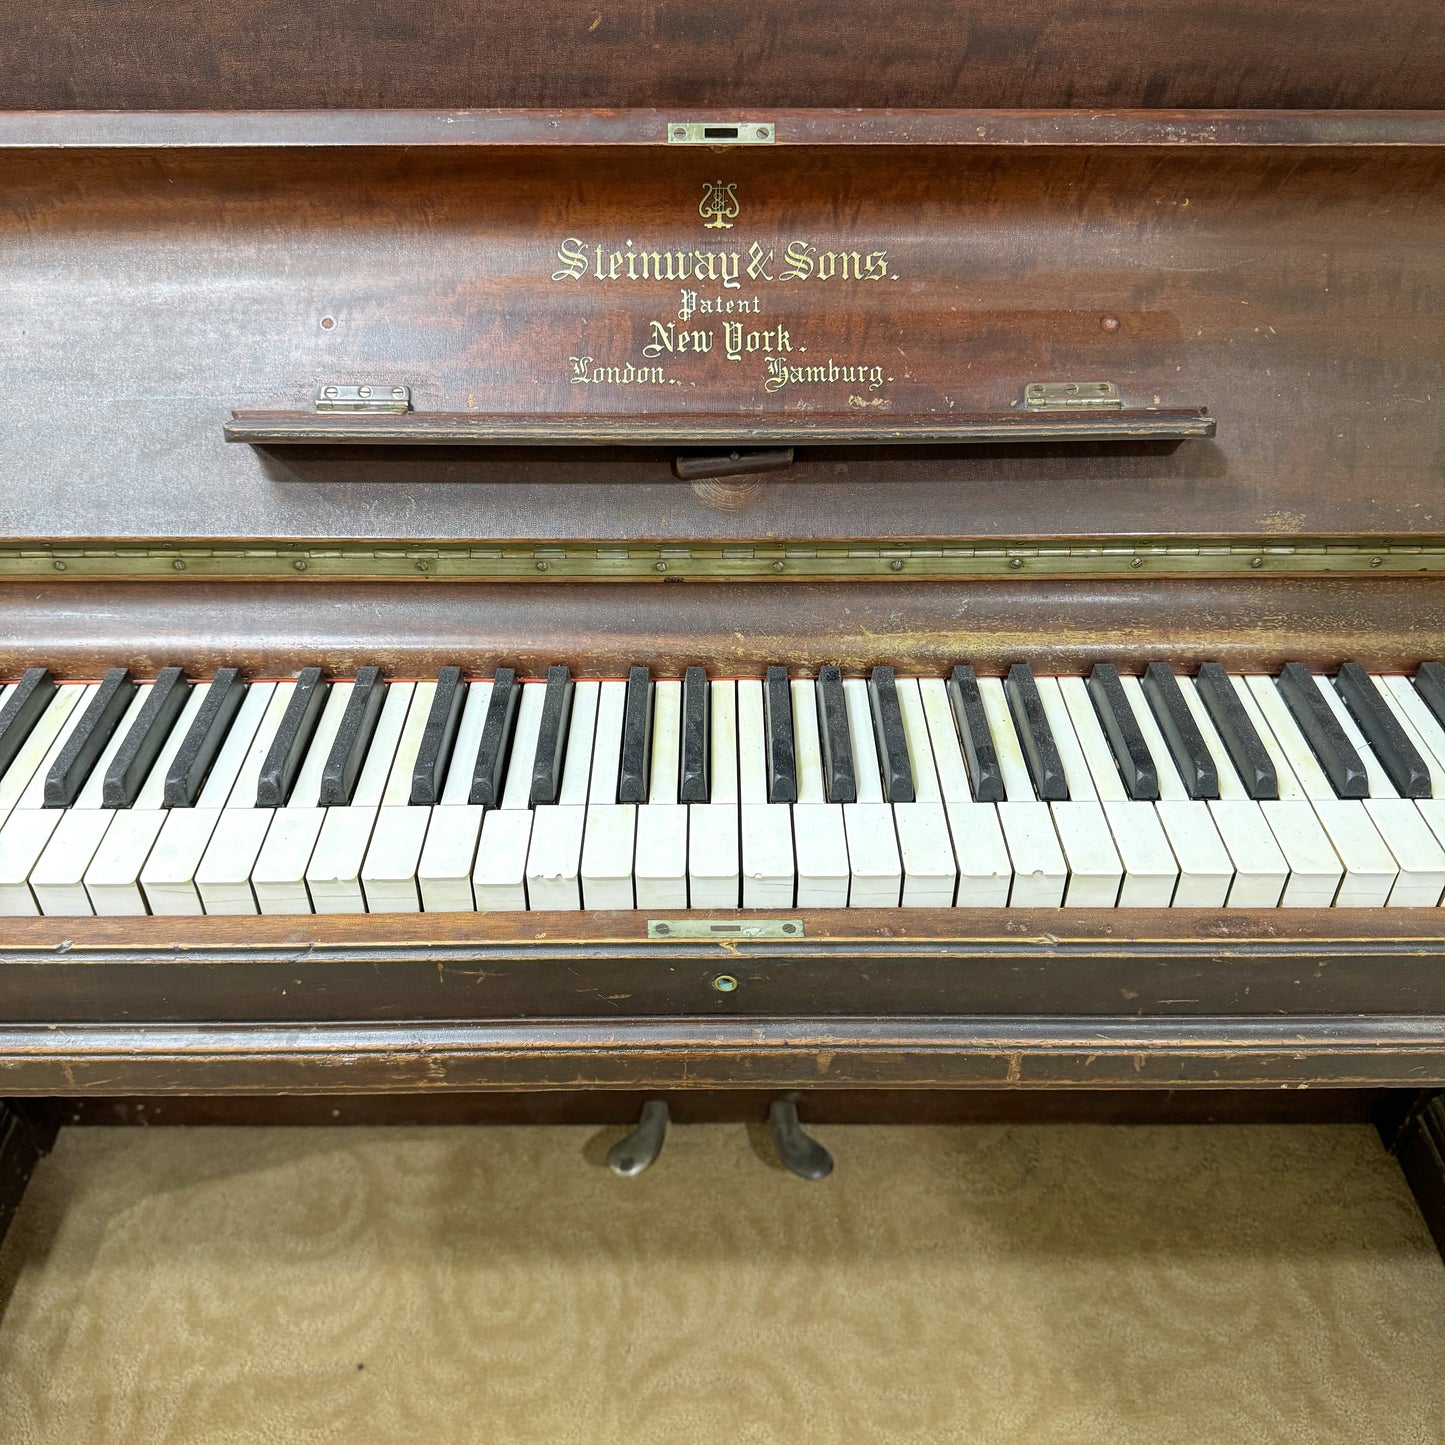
1256	561
659	566
179	565
331	391
1016	562
58	565
1376	561
1136	561
896	565
299	564
541	566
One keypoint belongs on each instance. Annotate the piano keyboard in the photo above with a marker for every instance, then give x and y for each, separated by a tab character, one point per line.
317	795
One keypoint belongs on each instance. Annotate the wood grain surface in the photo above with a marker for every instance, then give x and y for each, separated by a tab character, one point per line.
1288	291
175	54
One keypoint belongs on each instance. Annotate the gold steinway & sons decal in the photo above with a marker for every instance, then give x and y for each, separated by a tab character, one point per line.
717	289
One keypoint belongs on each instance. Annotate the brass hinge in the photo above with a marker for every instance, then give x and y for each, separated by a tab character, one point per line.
380	399
1072	396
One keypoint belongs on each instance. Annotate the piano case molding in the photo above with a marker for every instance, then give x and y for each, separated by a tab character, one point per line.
927	1000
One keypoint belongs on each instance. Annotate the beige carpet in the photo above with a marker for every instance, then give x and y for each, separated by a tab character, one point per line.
1060	1284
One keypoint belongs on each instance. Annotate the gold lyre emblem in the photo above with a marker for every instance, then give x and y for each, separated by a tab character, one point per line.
719	205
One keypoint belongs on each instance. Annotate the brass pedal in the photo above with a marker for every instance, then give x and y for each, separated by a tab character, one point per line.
801	1153
638	1152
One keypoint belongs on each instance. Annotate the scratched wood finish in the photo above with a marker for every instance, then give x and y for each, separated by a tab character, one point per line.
777	1054
149	293
648	126
126	54
599	630
1166	965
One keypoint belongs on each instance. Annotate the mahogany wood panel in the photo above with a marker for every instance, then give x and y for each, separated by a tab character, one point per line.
313	129
1034	1053
1295	293
937	963
269	628
166	54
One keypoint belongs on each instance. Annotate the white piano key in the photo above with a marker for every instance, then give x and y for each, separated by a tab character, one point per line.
714	857
1315	869
30	824
333	876
554	861
1206	870
113	878
1040	872
1261	870
444	871
1370	868
985	874
930	875
389	870
1425	732
1398	821
660	863
37	748
499	876
168	878
279	876
1096	873
58	877
223	879
769	880
875	865
610	832
1151	873
819	840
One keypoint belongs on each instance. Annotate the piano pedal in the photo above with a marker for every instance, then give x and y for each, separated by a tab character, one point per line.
801	1153
638	1152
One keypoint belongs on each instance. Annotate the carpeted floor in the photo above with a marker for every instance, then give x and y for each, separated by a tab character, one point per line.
1035	1284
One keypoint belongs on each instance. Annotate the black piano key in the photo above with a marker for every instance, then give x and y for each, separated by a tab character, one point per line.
23	708
1430	684
187	773
892	741
1126	741
496	744
288	747
979	753
353	737
1322	732
1181	733
778	730
428	774
635	768
1040	750
1399	757
137	754
1236	731
551	737
692	782
84	746
839	777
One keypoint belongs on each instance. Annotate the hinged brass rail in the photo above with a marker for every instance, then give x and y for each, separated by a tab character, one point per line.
634	562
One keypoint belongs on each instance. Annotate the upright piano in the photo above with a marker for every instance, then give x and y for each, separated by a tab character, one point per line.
858	558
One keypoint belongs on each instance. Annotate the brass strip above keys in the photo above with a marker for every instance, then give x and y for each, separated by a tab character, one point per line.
745	561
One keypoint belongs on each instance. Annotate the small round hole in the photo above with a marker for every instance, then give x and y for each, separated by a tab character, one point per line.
327	322
725	983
